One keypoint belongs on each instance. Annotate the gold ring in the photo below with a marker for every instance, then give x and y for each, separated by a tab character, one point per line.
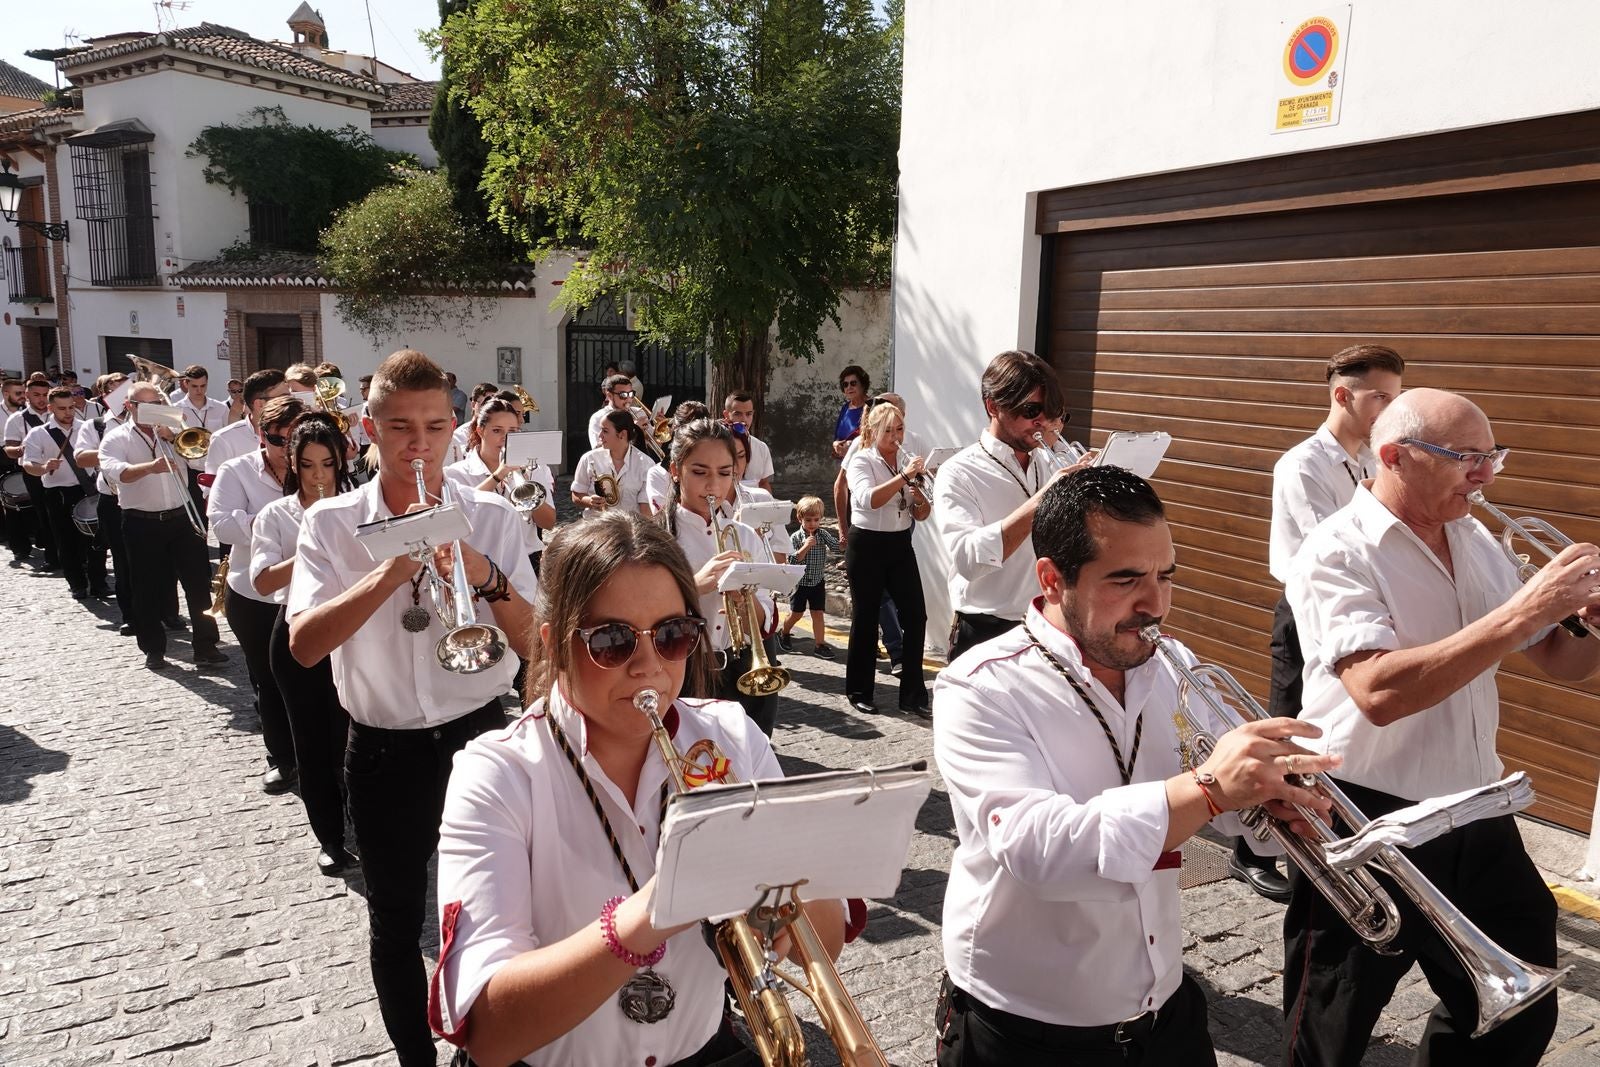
1294	763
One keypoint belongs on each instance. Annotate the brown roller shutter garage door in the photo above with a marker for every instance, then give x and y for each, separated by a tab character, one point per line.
1206	303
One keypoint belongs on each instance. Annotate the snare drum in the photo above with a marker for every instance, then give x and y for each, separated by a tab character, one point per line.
14	492
86	515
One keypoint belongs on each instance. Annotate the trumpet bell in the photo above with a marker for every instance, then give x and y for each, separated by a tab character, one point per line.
469	649
529	404
763	681
192	443
329	389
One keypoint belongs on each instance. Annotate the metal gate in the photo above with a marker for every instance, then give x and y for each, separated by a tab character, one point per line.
598	335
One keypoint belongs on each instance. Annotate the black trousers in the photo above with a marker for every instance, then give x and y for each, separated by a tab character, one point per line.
252	622
110	513
320	727
83	559
1334	987
973	629
162	549
972	1034
43	535
763	711
396	781
16	526
879	562
1285	690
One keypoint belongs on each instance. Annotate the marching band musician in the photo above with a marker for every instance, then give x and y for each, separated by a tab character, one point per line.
986	495
16	524
162	544
243	436
34	411
658	482
1406	605
617	459
547	952
108	513
619	393
243	486
702	481
1057	745
48	454
739	414
318	723
410	715
202	412
486	470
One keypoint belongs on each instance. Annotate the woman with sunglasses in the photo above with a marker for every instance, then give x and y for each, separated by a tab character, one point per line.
886	497
704	459
548	843
317	721
486	469
243	486
617	459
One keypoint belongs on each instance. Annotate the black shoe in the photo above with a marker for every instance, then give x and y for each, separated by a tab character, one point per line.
785	644
863	705
80	594
50	565
332	863
823	651
896	667
209	657
101	594
921	711
126	629
155	663
1266	881
277	781
175	623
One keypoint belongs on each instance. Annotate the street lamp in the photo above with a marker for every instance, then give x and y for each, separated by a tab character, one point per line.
11	200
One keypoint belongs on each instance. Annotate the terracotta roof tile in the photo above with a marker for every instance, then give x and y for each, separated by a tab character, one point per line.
408	96
222	42
17	82
35	118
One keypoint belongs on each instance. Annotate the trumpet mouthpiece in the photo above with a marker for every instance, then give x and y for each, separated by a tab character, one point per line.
417	464
647	701
1151	633
1476	497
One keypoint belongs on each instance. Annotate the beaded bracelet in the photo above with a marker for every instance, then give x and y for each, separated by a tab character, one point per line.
608	927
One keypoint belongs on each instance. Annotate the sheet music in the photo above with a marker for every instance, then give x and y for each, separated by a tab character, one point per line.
778	577
1140	453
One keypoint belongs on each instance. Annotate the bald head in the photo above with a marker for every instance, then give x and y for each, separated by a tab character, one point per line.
1435	416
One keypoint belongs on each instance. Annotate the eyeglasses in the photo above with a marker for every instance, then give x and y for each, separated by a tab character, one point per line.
1469	460
276	440
851	384
612	644
1031	410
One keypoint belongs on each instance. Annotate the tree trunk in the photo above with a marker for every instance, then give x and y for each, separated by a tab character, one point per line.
742	371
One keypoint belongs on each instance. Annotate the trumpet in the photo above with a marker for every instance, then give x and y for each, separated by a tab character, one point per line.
219	590
610	492
468	646
1542	538
752	965
328	390
525	494
1505	984
744	625
1075	452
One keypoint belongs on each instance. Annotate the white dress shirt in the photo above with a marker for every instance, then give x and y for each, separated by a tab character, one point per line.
658	487
18	423
130	444
699	543
868	468
473	471
386	676
524	862
759	463
273	537
1311	481
974	491
1054	909
88	440
38	447
1363	581
358	430
243	487
458	440
232	441
630	478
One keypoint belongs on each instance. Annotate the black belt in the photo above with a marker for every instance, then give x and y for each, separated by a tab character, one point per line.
155	516
1136	1029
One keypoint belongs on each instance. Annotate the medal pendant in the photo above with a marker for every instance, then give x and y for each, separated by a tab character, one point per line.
415	619
646	997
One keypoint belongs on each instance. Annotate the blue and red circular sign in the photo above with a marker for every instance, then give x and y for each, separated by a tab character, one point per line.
1310	51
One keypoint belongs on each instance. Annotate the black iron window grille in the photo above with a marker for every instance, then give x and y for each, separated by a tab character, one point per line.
269	224
111	185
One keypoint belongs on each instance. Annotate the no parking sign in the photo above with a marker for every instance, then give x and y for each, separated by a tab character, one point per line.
1308	79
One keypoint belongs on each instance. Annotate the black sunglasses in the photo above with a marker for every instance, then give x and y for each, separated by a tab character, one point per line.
612	644
1031	410
276	440
851	384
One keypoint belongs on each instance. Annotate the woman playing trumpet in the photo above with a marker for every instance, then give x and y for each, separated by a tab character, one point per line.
614	474
547	850
486	469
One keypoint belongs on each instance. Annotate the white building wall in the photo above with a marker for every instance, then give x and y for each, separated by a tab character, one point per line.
101	313
413	139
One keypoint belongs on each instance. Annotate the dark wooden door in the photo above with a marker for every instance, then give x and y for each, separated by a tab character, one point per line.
277	347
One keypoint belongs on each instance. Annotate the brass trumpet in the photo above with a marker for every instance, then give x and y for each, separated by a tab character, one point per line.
530	406
752	965
744	625
1542	538
219	590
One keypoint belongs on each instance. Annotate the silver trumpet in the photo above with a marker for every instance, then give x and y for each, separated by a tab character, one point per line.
1075	452
526	494
1541	538
468	646
1505	984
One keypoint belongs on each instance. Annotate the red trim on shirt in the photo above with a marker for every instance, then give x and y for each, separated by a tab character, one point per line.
447	938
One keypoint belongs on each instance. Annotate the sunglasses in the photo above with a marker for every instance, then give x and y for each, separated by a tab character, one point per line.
626	394
612	644
851	384
276	440
1031	410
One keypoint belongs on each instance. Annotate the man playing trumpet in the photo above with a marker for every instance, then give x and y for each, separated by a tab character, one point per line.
1406	606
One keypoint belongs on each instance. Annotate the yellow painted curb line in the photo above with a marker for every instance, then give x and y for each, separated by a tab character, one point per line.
1580	904
840	639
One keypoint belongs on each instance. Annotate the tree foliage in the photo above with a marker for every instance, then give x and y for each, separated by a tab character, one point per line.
730	163
309	171
457	136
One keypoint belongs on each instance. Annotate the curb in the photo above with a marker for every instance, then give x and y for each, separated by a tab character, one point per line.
1575	903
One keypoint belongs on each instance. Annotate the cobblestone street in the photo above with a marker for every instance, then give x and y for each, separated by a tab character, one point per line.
157	908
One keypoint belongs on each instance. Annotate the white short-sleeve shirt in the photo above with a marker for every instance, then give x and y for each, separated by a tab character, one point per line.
473	472
39	447
242	488
630	478
272	540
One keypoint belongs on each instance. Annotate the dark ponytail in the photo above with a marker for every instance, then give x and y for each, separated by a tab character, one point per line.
684	440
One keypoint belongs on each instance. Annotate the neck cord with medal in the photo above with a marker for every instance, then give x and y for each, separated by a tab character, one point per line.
1124	769
894	472
646	997
1026	492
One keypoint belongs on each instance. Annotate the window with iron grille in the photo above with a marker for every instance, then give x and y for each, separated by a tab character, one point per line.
27	267
269	224
111	184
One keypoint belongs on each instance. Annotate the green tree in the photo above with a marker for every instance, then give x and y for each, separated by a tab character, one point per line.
457	136
729	163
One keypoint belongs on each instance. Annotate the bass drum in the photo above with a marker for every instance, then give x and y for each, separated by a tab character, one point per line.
14	492
86	515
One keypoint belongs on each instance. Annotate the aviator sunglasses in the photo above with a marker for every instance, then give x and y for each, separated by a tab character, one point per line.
612	644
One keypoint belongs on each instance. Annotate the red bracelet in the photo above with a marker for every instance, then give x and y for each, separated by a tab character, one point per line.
608	927
1211	805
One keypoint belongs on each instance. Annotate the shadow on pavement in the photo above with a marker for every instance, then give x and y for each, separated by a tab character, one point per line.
22	759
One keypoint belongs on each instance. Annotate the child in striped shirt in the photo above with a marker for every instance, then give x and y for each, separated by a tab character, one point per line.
811	546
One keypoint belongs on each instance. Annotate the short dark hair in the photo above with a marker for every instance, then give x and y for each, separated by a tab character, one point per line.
1357	360
858	372
283	410
481	390
618	381
72	374
405	371
329	370
194	370
61	392
738	396
1011	377
260	382
1061	524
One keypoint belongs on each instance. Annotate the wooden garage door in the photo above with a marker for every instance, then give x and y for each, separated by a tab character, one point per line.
1216	330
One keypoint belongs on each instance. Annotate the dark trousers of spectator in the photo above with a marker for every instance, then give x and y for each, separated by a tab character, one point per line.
1288	663
879	562
1334	987
43	535
396	781
763	710
321	728
972	629
889	623
163	549
972	1034
83	559
252	622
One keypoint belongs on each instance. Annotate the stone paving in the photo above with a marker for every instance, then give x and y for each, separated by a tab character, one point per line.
156	908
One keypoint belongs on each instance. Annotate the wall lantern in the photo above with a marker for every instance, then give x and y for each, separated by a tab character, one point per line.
11	201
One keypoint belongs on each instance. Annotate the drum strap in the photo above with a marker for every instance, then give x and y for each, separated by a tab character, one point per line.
83	479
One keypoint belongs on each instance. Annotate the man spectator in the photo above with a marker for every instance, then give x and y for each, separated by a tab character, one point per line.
739	413
458	400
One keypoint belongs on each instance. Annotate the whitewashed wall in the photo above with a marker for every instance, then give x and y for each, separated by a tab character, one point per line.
101	313
413	139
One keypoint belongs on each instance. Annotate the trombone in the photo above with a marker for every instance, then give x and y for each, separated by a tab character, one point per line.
1542	538
744	625
468	646
752	967
1504	984
174	453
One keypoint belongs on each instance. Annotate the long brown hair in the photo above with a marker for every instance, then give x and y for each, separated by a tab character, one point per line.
578	561
684	440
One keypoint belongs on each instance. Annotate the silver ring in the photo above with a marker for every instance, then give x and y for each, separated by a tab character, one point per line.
1292	762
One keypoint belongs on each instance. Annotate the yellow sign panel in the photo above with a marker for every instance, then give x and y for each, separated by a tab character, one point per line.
1311	109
